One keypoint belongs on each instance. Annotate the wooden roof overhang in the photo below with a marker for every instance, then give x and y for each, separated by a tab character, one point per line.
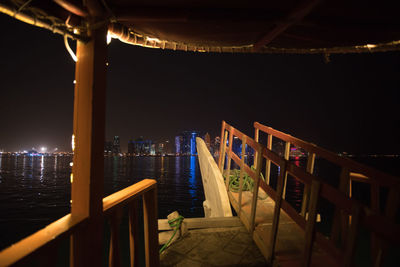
288	26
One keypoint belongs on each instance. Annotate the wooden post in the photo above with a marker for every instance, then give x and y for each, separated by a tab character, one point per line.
306	193
268	162
151	228
88	139
242	171
258	160
228	166
277	212
220	144
256	137
310	226
287	152
223	150
134	233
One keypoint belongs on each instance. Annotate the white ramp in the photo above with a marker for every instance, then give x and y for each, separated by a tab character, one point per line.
217	201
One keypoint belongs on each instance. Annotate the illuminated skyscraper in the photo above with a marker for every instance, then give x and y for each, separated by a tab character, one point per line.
193	150
116	148
140	147
185	143
108	147
178	141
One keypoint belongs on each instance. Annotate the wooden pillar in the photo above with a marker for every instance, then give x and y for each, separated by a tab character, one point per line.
268	162
88	130
221	147
307	187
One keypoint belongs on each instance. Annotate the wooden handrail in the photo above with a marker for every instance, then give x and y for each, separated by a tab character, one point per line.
120	198
112	205
382	178
34	243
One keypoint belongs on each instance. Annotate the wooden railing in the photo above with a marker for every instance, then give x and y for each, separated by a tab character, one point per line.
228	130
42	244
349	215
379	223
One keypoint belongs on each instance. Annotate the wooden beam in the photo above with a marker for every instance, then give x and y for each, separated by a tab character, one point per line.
72	7
88	137
138	14
295	16
22	251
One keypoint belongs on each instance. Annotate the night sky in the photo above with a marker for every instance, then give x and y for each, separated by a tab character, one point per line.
350	104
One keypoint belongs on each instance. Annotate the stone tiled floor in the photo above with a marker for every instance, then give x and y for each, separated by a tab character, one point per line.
214	247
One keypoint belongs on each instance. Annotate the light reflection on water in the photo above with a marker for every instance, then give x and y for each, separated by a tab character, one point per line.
35	191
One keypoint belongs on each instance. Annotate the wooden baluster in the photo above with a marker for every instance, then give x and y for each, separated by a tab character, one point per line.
134	233
258	161
268	162
352	236
311	222
221	146
228	166
306	193
242	171
256	137
114	259
151	228
340	218
277	212
287	152
221	168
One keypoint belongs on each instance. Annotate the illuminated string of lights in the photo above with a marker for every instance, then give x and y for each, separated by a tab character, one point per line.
69	49
21	10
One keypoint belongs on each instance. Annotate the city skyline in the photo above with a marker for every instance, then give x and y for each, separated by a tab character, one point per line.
349	104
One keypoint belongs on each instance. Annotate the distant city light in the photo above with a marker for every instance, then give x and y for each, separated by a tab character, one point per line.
43	149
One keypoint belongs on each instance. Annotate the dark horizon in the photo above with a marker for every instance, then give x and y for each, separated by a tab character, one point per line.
349	104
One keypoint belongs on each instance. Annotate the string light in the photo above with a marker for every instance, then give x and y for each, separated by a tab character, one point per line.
69	49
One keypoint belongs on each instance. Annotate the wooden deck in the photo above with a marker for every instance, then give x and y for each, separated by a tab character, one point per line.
290	243
227	246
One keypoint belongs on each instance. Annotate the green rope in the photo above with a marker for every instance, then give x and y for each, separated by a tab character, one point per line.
234	180
177	222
